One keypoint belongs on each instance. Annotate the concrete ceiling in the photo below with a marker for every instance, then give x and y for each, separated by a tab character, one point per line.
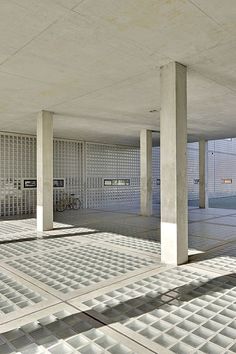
96	65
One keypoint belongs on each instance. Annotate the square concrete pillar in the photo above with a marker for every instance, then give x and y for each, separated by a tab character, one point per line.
146	171
44	171
203	174
173	168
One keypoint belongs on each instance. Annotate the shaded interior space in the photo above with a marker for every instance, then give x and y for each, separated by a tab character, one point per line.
117	177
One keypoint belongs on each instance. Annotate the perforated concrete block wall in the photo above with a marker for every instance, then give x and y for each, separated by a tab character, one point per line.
85	166
156	175
222	165
193	171
68	164
18	162
111	162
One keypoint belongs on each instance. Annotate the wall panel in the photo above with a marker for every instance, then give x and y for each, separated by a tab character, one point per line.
156	175
84	166
193	171
111	162
68	164
17	161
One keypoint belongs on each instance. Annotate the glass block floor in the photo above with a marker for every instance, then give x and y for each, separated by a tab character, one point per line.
95	284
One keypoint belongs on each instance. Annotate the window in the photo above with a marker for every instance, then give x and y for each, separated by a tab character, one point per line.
116	182
59	183
30	183
227	180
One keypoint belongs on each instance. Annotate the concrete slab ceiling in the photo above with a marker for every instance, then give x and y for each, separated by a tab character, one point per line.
96	65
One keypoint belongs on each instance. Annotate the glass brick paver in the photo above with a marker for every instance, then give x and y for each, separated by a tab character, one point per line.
64	332
14	230
221	259
71	269
15	296
11	227
181	309
23	248
130	242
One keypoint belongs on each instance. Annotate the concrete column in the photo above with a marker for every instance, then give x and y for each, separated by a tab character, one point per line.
203	174
174	188
146	171
45	171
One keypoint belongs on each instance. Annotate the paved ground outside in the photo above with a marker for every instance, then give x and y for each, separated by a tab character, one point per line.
222	202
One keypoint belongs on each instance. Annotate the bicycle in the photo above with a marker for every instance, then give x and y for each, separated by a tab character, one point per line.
69	201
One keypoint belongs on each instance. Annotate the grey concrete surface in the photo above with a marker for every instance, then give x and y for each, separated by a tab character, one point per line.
96	65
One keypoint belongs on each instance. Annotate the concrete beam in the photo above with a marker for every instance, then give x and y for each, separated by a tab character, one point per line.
146	171
45	171
174	200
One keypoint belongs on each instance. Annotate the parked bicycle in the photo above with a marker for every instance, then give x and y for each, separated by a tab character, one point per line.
68	201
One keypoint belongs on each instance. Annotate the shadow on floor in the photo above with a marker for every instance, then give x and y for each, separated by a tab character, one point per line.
68	326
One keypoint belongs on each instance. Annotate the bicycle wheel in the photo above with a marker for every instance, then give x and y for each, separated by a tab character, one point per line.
70	201
61	205
76	204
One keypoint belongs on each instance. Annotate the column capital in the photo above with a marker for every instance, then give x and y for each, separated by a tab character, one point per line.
174	64
45	113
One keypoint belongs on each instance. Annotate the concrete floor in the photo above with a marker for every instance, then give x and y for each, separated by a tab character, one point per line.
95	284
